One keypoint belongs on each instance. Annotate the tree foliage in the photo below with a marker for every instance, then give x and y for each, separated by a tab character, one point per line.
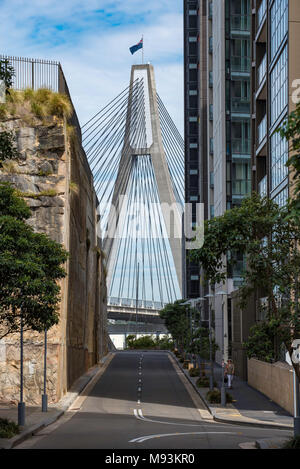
176	317
201	345
6	73
290	130
30	266
269	237
8	150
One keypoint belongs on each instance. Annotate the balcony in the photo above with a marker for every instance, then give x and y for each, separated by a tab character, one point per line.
240	105
261	12
241	187
240	64
240	23
262	70
262	130
241	146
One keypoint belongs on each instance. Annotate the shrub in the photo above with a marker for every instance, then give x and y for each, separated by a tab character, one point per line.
194	372
214	397
185	364
141	342
8	150
203	382
293	443
8	429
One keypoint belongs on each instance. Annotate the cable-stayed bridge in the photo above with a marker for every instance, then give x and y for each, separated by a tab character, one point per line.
137	158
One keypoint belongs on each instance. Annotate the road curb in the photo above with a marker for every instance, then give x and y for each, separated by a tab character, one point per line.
225	420
270	443
79	386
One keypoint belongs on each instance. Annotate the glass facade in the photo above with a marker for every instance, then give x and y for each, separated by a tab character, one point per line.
281	198
279	91
279	157
278	99
279	24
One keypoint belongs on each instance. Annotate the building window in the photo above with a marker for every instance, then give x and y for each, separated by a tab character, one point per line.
282	197
279	157
279	87
279	24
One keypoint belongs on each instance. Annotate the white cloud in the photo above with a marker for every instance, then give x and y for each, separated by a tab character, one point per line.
93	52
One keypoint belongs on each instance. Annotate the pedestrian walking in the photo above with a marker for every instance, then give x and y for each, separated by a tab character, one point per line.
229	371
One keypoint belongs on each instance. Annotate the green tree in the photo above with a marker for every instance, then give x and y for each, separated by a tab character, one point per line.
30	266
176	317
201	343
268	236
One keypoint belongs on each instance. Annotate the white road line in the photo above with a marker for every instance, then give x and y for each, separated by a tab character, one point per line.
141	439
139	415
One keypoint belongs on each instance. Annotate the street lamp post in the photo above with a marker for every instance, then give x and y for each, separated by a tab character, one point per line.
21	404
44	396
211	377
223	391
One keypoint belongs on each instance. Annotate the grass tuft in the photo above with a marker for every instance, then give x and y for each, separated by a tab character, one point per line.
41	103
8	428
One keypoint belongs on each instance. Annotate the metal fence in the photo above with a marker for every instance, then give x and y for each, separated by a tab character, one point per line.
37	73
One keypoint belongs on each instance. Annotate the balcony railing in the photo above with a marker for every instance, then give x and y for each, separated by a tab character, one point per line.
240	105
241	146
240	22
262	70
262	129
240	64
241	187
261	13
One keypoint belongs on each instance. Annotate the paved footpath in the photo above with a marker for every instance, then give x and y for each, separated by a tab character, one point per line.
249	407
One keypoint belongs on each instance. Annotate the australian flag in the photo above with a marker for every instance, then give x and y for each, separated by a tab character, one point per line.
136	47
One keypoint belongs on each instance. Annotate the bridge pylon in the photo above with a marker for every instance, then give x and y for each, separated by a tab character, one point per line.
145	175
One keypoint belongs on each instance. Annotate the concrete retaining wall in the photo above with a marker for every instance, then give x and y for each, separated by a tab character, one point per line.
273	380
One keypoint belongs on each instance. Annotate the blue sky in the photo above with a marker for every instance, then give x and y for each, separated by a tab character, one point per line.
91	39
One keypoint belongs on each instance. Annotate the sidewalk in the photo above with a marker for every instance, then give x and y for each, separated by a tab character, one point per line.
35	419
249	407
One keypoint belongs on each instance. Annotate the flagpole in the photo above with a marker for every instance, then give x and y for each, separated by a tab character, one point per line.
143	50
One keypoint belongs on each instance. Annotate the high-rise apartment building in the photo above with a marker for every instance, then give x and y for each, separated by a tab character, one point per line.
217	129
275	66
195	102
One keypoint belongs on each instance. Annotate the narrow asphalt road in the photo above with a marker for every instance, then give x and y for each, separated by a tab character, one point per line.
142	401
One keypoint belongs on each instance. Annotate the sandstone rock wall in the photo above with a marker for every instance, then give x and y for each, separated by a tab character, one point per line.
54	177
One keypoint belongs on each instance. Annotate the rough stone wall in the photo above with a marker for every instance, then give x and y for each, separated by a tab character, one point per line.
54	175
